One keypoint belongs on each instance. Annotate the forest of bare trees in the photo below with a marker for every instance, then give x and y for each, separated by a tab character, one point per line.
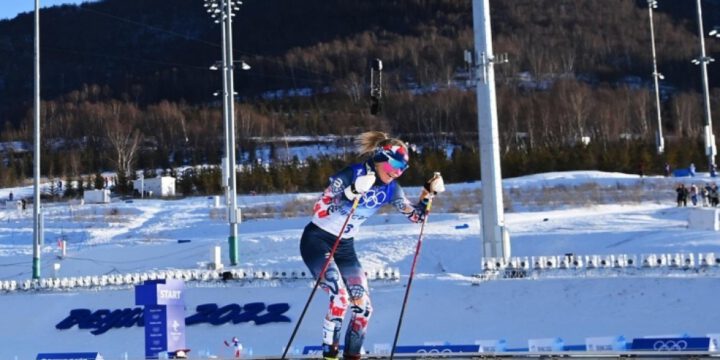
578	70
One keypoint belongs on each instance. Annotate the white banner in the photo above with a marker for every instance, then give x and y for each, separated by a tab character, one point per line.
714	342
546	345
606	343
491	346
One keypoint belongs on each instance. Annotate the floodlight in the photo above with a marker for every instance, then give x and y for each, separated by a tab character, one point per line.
591	261
489	264
688	260
675	260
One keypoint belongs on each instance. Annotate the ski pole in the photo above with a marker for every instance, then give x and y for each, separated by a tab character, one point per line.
410	278
320	276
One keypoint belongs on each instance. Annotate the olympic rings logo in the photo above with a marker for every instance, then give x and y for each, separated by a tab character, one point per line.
670	345
434	351
373	199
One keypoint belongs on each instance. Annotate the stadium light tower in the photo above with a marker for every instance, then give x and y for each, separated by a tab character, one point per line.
703	60
37	216
659	141
222	11
496	240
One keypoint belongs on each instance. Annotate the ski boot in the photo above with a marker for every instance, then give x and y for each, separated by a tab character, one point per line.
347	356
330	352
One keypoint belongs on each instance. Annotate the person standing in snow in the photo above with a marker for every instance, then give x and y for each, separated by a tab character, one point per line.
682	194
694	194
714	196
236	345
373	182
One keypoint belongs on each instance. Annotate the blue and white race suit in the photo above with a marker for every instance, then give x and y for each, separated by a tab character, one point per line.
331	211
344	279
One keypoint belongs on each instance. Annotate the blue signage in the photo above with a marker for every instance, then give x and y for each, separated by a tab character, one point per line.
672	344
155	330
164	311
424	349
435	349
100	321
69	356
214	315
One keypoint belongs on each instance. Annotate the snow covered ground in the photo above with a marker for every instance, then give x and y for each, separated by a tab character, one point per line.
447	303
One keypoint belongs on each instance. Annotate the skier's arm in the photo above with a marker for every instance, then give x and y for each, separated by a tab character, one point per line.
344	186
416	212
338	183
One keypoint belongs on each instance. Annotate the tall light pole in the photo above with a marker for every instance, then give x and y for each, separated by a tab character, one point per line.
496	241
222	11
703	60
659	141
37	219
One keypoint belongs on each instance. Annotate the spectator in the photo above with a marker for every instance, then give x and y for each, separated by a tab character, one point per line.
236	345
714	200
682	194
694	194
667	169
713	170
691	169
704	195
10	196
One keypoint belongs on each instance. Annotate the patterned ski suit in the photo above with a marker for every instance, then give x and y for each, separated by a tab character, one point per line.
345	279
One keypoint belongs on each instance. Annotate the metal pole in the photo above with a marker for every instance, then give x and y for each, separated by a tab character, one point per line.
659	141
225	99
496	241
710	149
428	207
37	234
232	179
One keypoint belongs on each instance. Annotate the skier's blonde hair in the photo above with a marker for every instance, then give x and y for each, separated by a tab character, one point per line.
369	142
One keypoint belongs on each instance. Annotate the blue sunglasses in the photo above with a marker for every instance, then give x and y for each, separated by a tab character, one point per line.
397	164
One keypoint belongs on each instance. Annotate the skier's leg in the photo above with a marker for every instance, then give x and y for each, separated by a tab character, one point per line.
360	308
359	300
314	247
333	286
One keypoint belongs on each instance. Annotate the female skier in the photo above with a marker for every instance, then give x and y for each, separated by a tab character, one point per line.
373	181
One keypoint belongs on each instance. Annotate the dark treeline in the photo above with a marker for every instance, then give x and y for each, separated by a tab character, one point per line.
135	93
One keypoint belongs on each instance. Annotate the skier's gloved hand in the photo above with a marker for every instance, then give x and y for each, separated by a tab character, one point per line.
362	184
435	185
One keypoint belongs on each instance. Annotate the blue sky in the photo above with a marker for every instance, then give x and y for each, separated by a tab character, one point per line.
10	8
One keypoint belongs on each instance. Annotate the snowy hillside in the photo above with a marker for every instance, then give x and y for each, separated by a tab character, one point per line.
447	303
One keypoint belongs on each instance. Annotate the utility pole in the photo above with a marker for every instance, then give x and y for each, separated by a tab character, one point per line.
221	11
496	240
659	141
37	216
703	60
233	211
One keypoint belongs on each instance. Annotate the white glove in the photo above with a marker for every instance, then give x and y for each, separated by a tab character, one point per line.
362	184
435	185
